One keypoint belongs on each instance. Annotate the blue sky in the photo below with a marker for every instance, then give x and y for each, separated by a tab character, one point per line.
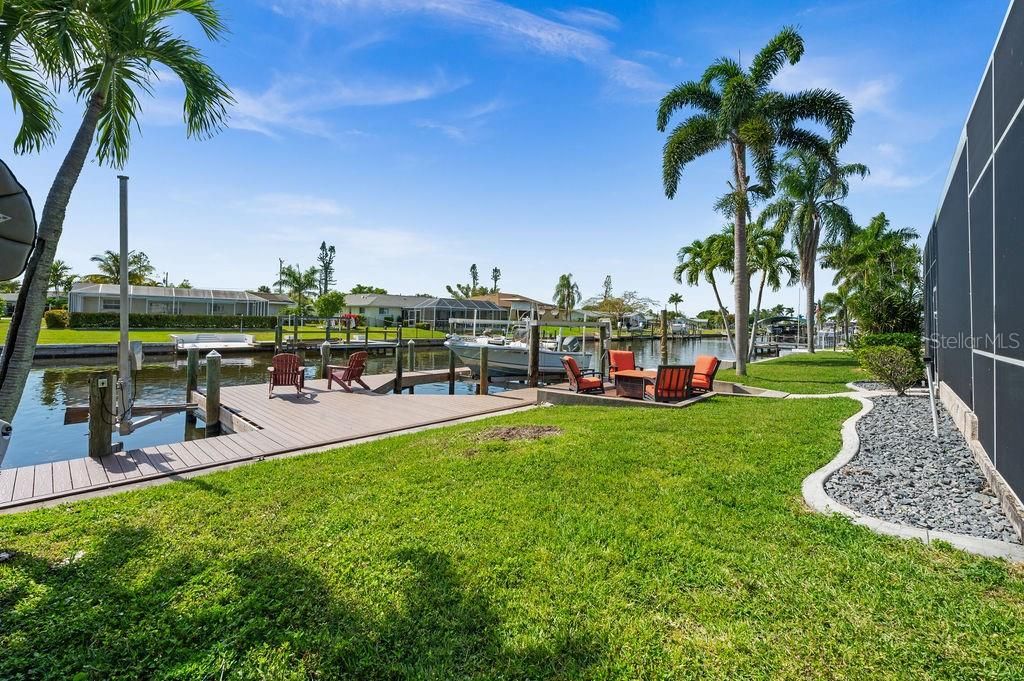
420	136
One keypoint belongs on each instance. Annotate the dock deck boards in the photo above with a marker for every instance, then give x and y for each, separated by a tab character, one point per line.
286	423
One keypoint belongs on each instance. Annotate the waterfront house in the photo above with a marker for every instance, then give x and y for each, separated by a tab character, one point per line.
85	297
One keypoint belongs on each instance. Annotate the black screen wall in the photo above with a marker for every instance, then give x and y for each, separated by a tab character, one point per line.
974	259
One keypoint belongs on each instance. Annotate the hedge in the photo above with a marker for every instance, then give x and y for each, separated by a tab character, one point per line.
56	319
111	320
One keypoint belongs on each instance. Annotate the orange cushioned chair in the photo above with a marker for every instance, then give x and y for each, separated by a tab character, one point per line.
704	371
586	381
286	369
621	360
671	385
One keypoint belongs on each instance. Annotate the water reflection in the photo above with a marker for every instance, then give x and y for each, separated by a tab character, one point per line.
41	436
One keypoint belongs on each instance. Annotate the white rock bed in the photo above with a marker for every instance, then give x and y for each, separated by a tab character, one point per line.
903	474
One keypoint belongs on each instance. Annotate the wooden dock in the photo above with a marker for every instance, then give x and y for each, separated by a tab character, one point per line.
261	427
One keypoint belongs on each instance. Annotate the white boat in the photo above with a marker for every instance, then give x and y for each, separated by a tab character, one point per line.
212	341
511	359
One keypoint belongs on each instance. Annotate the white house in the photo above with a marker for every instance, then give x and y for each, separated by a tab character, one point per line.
85	297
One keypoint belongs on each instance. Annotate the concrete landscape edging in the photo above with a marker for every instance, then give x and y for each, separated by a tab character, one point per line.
814	494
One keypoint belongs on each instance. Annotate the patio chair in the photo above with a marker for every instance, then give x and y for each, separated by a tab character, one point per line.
582	381
286	369
671	385
344	375
704	370
621	360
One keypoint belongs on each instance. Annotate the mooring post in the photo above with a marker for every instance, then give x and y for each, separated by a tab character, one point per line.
664	336
278	336
327	330
603	335
412	362
451	372
191	373
533	354
325	358
366	335
101	413
398	358
213	393
484	382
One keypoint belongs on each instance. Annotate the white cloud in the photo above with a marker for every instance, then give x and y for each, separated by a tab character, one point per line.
294	102
502	21
292	205
588	17
886	177
870	94
453	131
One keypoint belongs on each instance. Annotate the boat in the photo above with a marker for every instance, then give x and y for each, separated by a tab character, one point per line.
511	358
212	341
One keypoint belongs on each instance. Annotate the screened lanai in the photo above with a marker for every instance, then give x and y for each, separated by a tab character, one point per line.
172	300
438	311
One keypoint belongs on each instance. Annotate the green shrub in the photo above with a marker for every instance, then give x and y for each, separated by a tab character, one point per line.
891	364
911	342
111	320
56	319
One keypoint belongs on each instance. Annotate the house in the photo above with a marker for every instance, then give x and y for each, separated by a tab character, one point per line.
517	305
85	297
376	308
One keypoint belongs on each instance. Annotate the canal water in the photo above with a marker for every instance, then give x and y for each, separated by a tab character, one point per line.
40	434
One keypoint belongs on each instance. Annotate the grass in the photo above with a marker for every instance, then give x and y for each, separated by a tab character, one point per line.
87	336
636	544
822	372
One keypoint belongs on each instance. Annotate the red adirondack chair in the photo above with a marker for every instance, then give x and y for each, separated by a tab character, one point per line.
671	385
582	381
286	369
704	372
346	374
621	360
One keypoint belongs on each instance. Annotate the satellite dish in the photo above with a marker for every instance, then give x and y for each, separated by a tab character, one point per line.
17	225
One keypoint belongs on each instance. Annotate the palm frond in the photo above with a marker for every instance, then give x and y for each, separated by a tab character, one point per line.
786	46
696	136
722	70
691	94
825	107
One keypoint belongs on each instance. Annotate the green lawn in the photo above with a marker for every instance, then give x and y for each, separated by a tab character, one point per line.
64	336
639	543
825	371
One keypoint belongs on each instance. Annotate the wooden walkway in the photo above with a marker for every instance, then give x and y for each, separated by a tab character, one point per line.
261	427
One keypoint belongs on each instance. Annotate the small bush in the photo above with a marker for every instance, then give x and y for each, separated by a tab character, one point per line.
56	319
911	342
891	364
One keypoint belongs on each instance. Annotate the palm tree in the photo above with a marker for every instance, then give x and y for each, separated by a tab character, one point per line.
567	294
59	273
836	304
299	283
109	265
700	260
777	265
813	188
106	52
736	108
880	268
674	301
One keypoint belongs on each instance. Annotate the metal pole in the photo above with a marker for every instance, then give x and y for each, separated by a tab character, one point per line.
124	363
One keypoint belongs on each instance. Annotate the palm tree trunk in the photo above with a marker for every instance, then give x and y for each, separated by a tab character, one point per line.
725	316
757	313
741	276
20	347
810	314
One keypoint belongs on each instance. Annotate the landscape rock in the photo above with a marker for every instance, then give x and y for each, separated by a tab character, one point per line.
904	474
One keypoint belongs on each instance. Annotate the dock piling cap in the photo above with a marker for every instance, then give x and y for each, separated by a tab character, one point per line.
213	354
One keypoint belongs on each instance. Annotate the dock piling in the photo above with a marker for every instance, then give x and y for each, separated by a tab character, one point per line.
213	393
101	413
603	335
451	372
191	373
533	355
484	382
325	358
412	362
664	336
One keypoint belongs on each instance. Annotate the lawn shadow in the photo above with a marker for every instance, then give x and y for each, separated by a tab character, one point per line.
263	612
